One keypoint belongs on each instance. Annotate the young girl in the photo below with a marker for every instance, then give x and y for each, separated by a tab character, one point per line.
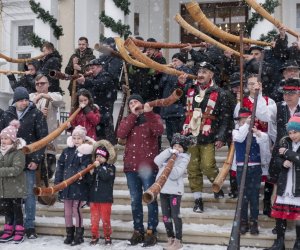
12	183
172	191
101	180
287	203
73	159
89	116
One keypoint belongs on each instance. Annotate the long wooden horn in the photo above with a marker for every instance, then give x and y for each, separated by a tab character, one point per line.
152	192
104	49
158	45
175	96
12	72
178	18
127	58
44	141
260	10
197	14
47	191
134	50
56	74
23	60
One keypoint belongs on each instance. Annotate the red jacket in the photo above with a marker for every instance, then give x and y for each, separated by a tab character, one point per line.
141	134
89	121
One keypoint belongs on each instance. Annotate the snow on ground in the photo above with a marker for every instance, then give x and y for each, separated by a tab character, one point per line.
56	243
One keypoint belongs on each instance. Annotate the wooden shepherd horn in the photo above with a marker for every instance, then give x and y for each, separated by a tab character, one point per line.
23	60
197	14
201	35
9	72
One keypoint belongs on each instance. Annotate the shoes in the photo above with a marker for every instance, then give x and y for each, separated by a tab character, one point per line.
8	233
136	238
19	234
30	233
233	195
169	243
254	228
94	241
150	239
70	235
274	230
107	241
78	238
244	228
277	245
198	207
219	195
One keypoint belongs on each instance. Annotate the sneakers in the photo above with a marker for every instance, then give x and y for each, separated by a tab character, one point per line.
219	195
177	245
30	233
107	241
150	239
94	241
198	207
8	233
136	238
19	234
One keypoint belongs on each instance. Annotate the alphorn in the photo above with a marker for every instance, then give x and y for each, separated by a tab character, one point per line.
152	192
56	74
260	10
201	35
9	72
158	45
134	50
175	96
23	60
197	14
44	141
219	180
47	191
104	49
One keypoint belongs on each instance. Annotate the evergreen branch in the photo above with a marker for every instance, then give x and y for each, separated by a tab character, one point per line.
123	5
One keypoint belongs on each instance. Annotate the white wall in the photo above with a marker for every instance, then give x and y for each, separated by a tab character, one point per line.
289	12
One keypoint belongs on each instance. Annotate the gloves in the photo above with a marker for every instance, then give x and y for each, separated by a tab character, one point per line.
87	109
174	151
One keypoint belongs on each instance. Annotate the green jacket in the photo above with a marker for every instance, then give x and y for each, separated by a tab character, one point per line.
12	175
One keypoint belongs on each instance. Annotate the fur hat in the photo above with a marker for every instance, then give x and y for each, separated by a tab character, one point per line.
294	123
136	97
80	131
180	56
20	93
11	130
103	152
182	140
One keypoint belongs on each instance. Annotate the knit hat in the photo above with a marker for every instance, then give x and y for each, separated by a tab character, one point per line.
182	140
20	94
180	56
243	113
11	130
97	61
136	97
103	152
234	80
294	123
80	131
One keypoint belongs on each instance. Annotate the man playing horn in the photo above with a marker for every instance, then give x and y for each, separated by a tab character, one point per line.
209	122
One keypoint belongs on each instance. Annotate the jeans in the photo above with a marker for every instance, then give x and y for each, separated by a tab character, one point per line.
137	182
251	191
30	205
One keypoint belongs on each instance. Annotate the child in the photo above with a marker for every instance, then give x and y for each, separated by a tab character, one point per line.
13	183
101	180
73	159
260	141
287	203
172	191
89	116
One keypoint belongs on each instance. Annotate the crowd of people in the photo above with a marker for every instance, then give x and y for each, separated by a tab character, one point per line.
209	115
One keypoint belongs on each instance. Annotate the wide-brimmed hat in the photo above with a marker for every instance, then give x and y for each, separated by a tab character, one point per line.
243	113
289	64
256	47
291	85
205	65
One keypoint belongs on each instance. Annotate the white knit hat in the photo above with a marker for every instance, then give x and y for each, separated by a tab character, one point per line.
80	131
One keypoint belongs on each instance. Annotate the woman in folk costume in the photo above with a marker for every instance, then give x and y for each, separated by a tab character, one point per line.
209	121
264	127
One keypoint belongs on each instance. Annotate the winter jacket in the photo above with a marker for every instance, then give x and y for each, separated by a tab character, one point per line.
141	134
33	127
83	59
71	161
26	81
12	176
168	84
102	183
174	183
294	157
51	62
89	117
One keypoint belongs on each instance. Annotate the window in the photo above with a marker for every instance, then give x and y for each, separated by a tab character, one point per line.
298	16
22	56
24	33
136	24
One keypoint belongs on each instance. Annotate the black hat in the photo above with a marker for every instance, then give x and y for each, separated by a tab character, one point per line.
103	152
289	64
152	40
205	65
182	140
180	56
110	41
97	61
243	113
136	97
256	47
291	85
20	94
139	38
234	79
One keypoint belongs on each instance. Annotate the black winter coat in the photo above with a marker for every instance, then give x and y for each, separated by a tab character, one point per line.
69	164
33	127
26	81
102	183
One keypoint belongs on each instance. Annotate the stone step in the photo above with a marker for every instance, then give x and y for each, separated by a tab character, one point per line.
192	233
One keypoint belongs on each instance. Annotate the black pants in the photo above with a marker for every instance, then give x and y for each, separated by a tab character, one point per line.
12	210
105	129
170	207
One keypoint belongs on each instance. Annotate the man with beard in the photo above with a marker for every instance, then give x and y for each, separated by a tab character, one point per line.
79	60
209	122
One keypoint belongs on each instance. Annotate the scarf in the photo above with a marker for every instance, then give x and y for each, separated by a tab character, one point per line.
5	149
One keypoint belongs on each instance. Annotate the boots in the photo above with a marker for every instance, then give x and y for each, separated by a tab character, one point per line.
297	245
219	195
70	235
78	239
244	228
233	187
150	239
254	227
136	238
7	233
19	234
277	245
198	207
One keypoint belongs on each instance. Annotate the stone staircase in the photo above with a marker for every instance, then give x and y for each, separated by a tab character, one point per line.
213	227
